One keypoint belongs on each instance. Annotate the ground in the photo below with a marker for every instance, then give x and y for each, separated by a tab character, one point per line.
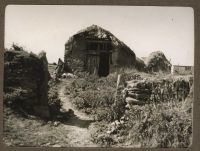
32	131
151	122
78	124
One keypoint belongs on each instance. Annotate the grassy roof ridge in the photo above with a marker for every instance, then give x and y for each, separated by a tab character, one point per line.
98	29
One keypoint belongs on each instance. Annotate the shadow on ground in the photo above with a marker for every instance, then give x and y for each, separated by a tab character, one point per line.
69	118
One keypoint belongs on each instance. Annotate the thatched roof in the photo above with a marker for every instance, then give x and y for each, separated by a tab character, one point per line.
157	61
97	32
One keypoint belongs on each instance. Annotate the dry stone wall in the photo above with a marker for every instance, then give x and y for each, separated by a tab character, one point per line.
26	81
142	91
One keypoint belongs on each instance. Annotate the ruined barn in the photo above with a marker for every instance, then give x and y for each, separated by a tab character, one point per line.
97	51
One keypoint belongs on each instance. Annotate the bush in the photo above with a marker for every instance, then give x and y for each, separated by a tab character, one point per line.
16	98
53	101
162	126
97	95
165	124
99	136
149	126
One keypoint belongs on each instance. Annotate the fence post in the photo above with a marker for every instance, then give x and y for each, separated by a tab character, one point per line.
118	81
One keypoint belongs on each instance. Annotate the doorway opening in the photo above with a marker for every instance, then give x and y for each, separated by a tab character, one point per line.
103	64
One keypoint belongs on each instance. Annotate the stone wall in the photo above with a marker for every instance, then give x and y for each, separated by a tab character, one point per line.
142	91
26	81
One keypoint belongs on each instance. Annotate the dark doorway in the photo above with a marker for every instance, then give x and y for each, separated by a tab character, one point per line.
103	64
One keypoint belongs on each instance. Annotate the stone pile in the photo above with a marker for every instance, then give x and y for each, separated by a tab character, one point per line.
137	92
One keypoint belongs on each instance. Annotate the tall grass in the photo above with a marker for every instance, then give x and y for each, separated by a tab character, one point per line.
96	96
165	124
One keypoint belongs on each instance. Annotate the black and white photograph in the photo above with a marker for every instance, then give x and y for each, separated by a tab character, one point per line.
98	76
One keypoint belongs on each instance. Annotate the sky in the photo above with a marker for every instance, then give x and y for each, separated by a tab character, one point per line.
143	28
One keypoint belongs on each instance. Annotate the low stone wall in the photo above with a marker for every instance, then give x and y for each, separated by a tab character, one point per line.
142	91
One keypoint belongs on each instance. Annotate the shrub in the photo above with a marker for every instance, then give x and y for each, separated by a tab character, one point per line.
53	101
160	126
164	124
98	96
99	136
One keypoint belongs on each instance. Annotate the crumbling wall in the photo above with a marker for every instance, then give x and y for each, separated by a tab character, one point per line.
142	91
26	81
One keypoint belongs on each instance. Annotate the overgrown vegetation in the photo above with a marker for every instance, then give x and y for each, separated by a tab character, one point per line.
164	124
96	96
54	102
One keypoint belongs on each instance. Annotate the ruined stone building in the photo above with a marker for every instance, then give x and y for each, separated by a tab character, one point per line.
97	51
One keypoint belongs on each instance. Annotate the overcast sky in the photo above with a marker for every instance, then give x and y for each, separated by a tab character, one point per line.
144	29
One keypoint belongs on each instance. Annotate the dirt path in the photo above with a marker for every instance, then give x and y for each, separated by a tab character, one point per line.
77	125
66	104
32	131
